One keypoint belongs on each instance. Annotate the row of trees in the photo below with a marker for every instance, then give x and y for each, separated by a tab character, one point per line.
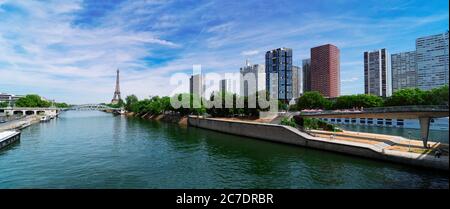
158	105
33	100
403	97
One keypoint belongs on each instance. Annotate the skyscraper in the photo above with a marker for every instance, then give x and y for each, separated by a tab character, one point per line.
325	70
306	73
253	79
432	61
404	70
196	85
297	82
377	73
279	73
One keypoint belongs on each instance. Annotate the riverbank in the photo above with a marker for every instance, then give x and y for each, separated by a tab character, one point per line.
289	135
169	118
17	124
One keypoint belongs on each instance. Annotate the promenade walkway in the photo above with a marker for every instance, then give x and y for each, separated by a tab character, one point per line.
386	142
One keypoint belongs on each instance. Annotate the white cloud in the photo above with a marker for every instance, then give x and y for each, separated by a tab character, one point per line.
352	79
249	53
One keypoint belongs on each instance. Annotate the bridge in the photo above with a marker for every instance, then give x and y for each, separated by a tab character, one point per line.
100	107
30	111
424	113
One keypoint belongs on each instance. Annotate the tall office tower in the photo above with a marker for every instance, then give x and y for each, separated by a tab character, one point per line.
432	61
325	70
377	73
306	73
253	79
196	85
223	87
297	82
229	85
279	73
404	70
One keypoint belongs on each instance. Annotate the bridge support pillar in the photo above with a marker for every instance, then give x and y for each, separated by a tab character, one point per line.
424	130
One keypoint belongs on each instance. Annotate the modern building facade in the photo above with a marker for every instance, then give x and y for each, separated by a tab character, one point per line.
196	85
325	70
253	79
306	74
297	82
435	123
9	98
377	73
432	61
404	70
279	74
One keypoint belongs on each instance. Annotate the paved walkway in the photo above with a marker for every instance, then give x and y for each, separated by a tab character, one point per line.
384	142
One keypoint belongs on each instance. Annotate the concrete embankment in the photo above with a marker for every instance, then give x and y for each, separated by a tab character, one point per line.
170	118
15	124
289	135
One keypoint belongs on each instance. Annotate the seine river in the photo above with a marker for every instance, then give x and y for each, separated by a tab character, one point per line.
99	150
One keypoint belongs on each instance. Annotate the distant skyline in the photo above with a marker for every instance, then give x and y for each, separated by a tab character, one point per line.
69	50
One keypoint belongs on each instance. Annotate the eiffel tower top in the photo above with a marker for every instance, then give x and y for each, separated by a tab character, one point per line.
116	97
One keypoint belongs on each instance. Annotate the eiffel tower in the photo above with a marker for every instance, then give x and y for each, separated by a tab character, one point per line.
116	97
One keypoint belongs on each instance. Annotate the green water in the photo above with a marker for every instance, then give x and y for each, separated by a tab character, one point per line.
98	150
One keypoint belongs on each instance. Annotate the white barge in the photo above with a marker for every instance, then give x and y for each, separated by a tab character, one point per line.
8	138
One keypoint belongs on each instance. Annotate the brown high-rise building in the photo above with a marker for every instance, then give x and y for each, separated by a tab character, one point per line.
325	70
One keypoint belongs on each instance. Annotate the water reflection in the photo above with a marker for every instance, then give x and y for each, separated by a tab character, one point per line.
98	150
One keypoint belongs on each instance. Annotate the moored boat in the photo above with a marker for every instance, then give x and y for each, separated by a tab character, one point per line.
45	118
8	137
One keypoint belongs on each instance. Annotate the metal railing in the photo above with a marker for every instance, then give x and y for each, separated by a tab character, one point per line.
412	108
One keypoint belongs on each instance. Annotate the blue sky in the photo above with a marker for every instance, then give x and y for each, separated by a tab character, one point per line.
69	50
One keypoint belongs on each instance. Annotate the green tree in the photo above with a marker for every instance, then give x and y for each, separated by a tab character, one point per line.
61	105
3	104
312	100
437	96
130	100
356	101
32	100
408	96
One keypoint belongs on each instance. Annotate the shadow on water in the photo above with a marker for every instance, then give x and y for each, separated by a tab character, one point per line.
10	148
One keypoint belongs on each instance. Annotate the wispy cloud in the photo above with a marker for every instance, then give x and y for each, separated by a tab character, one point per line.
347	80
250	53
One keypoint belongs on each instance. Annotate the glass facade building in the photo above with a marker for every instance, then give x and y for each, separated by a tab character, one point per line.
404	70
279	74
432	61
377	73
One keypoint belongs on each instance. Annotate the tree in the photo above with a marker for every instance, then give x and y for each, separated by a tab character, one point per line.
61	105
437	96
312	100
408	96
3	104
356	101
130	101
32	100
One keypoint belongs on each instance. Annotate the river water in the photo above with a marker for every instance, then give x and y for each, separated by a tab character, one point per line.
83	149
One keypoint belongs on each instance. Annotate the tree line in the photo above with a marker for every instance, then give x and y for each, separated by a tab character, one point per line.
33	100
195	105
403	97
